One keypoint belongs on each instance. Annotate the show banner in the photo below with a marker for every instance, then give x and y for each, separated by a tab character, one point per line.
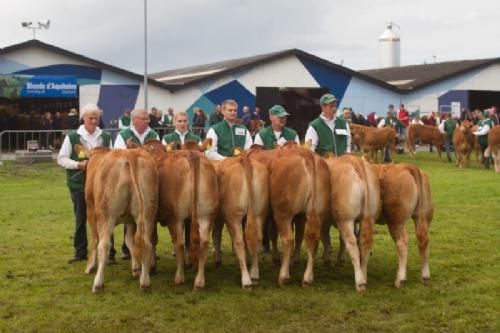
16	86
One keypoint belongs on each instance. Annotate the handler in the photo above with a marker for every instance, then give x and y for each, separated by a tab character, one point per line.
277	133
182	132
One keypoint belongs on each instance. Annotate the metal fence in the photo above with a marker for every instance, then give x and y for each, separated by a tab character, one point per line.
12	140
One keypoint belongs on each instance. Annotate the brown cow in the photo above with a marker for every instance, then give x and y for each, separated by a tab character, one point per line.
299	188
463	141
426	134
121	187
370	140
186	176
244	192
355	198
405	193
494	146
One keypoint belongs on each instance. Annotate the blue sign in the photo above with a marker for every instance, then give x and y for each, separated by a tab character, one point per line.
50	86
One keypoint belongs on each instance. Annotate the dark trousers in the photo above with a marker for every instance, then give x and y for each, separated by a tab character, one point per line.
80	236
447	147
485	160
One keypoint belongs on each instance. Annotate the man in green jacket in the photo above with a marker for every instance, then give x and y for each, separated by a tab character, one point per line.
228	138
182	132
139	131
485	124
447	128
277	133
90	136
329	133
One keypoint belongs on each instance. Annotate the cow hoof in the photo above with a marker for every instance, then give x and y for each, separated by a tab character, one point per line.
246	287
255	282
399	283
198	288
426	280
361	287
179	281
218	264
144	286
282	281
306	284
98	289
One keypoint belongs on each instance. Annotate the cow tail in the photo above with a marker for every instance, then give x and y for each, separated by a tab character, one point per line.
366	228
141	219
251	230
422	194
313	225
194	235
408	142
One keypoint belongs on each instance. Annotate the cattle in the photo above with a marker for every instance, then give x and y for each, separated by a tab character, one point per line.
494	146
299	189
406	193
426	134
370	140
121	187
463	141
355	198
188	191
244	193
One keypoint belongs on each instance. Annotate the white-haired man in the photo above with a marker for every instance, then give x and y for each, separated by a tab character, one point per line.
139	130
90	136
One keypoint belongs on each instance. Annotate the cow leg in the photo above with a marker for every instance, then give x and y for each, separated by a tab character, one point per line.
285	231
147	252
346	229
273	235
239	248
365	244
421	228
253	238
327	244
312	234
135	266
92	261
105	233
204	227
217	240
299	237
400	237
176	229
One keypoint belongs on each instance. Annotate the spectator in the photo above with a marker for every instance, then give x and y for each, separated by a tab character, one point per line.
372	119
447	128
124	120
46	125
154	118
73	121
494	115
168	118
247	116
199	119
216	116
57	125
404	118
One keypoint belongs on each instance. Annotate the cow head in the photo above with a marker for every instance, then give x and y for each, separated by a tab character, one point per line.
154	147
466	127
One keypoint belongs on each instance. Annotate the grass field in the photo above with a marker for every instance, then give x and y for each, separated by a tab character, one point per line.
40	292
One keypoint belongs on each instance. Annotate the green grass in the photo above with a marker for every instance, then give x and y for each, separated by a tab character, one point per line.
39	292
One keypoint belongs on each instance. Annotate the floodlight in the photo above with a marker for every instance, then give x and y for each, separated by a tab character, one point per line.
25	24
44	24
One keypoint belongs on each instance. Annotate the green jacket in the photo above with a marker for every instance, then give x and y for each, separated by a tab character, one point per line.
269	139
229	138
125	120
327	140
449	127
393	122
127	133
75	178
175	137
483	139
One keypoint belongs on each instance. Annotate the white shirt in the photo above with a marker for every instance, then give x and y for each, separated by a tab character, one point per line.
313	136
280	142
87	140
483	130
441	128
121	144
415	121
182	136
212	152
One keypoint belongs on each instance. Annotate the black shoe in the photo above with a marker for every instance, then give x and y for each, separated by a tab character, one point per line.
76	258
126	256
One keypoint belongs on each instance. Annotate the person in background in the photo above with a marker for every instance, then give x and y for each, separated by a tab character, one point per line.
168	117
494	115
447	127
247	116
216	116
154	118
124	120
228	138
90	136
485	124
199	119
57	125
329	133
390	121
404	118
256	113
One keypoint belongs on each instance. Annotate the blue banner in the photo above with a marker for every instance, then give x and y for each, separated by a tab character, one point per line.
50	86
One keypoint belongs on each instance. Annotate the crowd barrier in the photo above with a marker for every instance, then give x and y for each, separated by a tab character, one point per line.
15	140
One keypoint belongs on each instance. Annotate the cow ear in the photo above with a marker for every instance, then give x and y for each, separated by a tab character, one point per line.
207	144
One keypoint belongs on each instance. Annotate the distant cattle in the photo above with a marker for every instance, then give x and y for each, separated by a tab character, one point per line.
463	141
425	134
371	140
121	187
494	146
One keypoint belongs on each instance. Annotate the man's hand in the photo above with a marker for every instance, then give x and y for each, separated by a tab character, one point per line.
82	165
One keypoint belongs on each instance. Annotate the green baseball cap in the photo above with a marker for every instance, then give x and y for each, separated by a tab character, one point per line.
327	99
279	111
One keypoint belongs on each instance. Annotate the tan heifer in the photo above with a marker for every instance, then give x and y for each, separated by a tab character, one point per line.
494	146
406	193
244	192
188	192
463	141
299	188
426	134
370	140
355	199
121	187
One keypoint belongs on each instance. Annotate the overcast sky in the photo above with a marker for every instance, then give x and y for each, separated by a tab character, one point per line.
192	32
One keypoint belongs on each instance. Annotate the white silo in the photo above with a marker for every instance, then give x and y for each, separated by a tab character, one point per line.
390	55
